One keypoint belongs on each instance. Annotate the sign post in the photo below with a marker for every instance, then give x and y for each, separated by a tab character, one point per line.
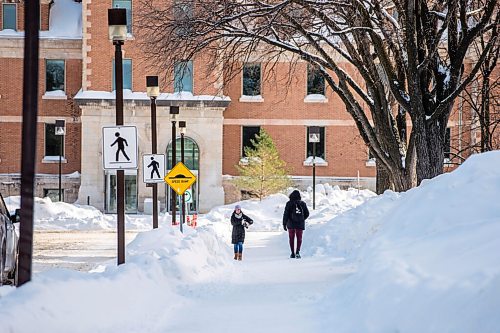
180	178
119	152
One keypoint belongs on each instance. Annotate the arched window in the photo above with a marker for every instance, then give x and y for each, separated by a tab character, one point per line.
191	154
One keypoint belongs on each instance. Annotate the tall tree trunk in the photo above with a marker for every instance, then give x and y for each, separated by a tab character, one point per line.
429	148
384	181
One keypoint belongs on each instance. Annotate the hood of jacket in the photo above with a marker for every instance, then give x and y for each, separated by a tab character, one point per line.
295	195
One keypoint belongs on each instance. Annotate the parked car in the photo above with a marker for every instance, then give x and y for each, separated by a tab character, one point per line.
8	244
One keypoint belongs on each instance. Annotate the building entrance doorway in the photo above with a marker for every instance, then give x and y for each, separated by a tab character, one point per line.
192	162
130	191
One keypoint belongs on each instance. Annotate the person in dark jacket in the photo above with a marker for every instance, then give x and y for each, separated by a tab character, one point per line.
239	221
294	220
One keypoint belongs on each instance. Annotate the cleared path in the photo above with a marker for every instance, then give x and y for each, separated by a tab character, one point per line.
78	250
265	292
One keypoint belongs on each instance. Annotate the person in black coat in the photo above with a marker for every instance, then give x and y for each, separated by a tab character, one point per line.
294	220
239	221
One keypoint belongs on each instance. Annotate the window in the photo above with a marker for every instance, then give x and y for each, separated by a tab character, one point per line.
183	13
183	76
53	141
249	134
315	81
251	79
127	74
54	75
447	144
53	194
127	4
9	16
320	146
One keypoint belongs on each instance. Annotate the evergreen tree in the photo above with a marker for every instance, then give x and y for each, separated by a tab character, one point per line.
263	172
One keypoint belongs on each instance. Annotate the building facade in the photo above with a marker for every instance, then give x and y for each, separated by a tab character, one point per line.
77	85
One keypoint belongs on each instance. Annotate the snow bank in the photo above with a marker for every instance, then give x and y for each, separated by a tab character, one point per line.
268	213
135	297
428	258
63	216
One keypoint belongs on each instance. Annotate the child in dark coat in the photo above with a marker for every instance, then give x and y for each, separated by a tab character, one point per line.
239	221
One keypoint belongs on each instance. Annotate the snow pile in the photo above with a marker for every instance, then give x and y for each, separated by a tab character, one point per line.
268	213
428	258
63	216
141	293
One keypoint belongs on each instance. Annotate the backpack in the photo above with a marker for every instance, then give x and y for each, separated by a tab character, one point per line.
296	212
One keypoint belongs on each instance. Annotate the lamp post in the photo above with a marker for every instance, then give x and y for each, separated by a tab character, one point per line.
174	111
182	130
117	21
314	137
60	130
153	90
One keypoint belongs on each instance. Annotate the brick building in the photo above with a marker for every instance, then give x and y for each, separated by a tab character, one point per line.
59	80
219	122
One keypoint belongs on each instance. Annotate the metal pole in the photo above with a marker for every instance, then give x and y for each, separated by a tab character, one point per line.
174	162
29	127
183	195
153	151
314	175
120	174
60	163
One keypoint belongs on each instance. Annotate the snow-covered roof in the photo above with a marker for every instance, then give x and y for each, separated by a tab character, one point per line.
65	22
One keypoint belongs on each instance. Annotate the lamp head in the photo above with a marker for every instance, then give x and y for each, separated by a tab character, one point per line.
314	134
152	88
60	127
117	22
182	127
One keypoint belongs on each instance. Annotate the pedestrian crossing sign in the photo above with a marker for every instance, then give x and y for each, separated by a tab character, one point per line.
119	147
153	168
180	178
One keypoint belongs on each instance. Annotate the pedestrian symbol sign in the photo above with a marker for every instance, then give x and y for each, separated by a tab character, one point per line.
153	168
119	147
180	178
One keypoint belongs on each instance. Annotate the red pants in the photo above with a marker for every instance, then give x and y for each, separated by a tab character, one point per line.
291	237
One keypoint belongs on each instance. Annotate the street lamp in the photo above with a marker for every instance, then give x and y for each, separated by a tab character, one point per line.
182	130
117	22
60	130
153	90
314	137
174	111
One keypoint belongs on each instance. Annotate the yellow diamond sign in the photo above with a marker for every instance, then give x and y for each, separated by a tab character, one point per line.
180	178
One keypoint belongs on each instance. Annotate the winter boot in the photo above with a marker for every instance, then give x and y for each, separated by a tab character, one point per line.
297	255
235	256
240	256
292	255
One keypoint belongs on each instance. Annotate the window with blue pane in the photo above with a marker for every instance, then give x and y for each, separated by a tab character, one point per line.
9	16
191	154
127	4
127	74
183	76
315	81
54	75
251	79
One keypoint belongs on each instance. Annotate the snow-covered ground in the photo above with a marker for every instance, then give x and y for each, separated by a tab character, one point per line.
422	261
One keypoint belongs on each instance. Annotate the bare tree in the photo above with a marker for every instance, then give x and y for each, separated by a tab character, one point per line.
408	55
483	98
